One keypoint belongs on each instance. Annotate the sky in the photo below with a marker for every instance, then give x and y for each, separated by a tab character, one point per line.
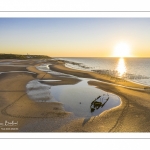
74	37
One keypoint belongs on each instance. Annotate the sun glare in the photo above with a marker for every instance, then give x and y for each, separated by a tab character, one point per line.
122	50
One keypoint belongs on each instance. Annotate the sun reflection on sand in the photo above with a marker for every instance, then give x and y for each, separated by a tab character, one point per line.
121	67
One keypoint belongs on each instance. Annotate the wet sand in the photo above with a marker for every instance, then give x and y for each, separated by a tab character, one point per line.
131	116
15	105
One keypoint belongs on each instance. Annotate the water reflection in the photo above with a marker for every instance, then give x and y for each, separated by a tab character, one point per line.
121	67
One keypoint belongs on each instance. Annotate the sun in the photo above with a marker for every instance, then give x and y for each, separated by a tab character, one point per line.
122	50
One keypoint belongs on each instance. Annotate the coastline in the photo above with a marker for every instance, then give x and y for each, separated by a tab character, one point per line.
112	119
81	65
131	116
60	67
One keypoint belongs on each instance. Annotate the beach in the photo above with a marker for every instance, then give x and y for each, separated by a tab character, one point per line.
132	115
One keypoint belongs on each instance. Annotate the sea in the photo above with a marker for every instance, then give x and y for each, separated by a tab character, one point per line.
131	68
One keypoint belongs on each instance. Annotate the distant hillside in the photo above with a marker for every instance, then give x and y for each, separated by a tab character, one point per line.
15	56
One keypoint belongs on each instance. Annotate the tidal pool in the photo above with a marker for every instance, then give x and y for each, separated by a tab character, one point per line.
77	98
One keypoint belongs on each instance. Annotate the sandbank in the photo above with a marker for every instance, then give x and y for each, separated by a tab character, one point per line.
132	115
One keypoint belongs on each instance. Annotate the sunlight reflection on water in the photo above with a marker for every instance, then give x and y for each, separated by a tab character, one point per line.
121	67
